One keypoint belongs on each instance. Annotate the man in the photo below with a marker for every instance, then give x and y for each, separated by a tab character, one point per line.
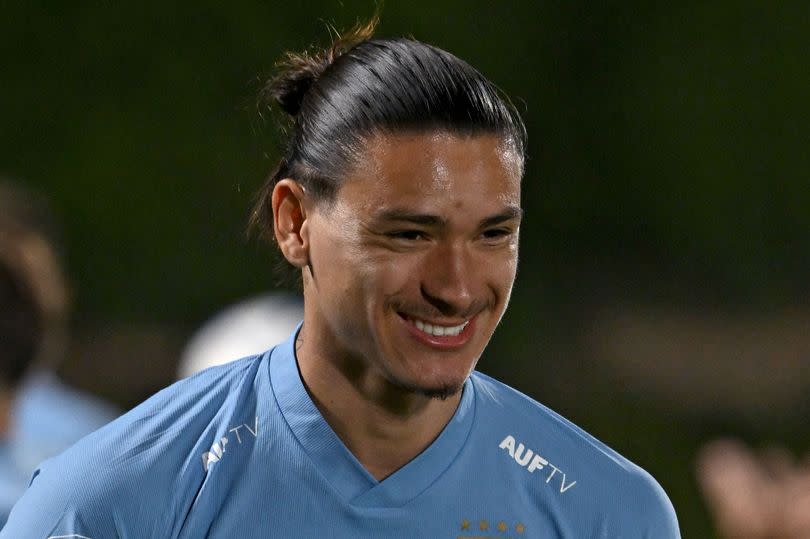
398	200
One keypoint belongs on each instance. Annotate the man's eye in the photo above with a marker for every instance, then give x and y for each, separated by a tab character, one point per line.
409	235
496	233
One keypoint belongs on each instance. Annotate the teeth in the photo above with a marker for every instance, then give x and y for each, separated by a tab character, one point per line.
440	331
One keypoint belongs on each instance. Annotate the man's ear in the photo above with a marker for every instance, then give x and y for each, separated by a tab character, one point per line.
290	221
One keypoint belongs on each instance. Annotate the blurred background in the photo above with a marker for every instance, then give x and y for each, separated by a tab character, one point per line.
663	297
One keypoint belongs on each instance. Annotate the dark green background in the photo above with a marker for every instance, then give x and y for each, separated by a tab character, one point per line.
667	165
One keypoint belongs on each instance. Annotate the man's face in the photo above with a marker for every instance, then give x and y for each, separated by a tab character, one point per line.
413	263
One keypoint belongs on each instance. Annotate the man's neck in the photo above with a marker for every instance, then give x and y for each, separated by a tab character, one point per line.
384	426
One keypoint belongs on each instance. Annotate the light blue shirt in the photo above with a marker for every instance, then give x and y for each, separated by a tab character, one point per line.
242	451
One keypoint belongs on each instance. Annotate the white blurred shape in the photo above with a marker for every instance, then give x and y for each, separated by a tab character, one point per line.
246	328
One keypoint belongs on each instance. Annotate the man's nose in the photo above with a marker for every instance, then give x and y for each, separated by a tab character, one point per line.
448	277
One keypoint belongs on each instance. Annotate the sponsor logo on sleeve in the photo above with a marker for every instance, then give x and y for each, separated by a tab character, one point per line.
533	462
218	450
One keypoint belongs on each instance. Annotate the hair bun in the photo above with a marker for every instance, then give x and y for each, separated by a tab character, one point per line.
298	71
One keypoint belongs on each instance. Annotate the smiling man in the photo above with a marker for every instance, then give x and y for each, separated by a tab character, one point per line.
406	274
398	199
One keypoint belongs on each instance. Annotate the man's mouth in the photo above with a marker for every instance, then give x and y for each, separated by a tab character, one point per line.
448	334
439	330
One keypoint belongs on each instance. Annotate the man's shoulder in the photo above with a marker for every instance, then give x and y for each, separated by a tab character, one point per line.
174	418
134	466
507	409
545	450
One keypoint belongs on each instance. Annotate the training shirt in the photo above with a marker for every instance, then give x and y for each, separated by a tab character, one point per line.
241	450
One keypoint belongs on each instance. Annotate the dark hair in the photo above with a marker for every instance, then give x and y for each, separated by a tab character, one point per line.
34	296
359	87
20	328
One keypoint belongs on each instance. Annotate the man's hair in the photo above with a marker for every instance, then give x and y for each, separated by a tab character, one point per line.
359	87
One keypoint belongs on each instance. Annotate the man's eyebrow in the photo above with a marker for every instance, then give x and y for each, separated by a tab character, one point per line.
426	219
510	213
402	215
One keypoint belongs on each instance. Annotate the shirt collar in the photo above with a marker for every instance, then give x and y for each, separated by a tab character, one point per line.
337	464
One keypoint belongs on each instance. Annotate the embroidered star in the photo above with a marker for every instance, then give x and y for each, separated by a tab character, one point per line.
484	525
502	526
520	528
465	524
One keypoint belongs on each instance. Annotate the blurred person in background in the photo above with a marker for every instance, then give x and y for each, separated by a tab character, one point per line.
39	415
755	495
243	329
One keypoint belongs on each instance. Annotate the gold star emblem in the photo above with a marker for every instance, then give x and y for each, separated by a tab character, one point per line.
484	525
502	526
465	524
520	528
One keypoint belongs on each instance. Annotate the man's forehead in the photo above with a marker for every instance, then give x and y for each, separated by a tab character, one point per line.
414	169
434	149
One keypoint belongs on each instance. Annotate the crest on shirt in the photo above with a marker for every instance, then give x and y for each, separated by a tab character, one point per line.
471	528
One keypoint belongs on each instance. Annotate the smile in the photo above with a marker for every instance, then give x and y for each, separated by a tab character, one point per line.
441	336
439	331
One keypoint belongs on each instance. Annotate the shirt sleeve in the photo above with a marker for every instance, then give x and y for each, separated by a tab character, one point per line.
654	516
64	504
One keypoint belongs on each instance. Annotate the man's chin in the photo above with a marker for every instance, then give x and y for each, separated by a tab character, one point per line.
440	392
